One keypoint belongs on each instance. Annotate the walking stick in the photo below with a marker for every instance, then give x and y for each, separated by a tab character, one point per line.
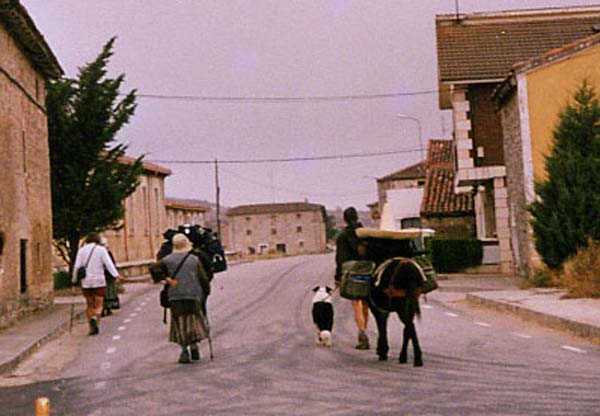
206	323
72	309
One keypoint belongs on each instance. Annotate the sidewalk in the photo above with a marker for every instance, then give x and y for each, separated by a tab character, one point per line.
545	306
24	338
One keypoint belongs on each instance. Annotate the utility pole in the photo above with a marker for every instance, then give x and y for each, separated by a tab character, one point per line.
218	197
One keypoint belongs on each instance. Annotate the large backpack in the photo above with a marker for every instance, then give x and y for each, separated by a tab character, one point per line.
357	279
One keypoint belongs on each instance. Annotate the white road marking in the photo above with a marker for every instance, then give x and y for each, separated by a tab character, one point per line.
483	324
122	328
143	303
522	335
105	366
138	309
126	320
428	306
111	350
133	314
452	315
116	337
100	385
573	349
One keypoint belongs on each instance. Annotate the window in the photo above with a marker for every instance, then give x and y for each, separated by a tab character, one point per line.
157	210
130	214
301	244
414	222
1	251
299	229
145	205
273	231
298	216
24	150
248	219
23	258
248	232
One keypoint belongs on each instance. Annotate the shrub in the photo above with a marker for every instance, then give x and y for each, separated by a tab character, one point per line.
454	254
62	280
542	278
581	273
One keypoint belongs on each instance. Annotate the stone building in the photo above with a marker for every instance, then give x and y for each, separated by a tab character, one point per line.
475	52
26	62
136	243
185	211
530	100
449	213
285	228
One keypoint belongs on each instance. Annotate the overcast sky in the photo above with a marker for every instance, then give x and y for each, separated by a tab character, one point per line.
276	48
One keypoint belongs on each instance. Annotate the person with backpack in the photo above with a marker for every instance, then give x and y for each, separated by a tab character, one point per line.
349	247
188	287
88	271
111	300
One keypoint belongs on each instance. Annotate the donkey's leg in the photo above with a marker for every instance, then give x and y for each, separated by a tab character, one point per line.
418	362
382	341
406	336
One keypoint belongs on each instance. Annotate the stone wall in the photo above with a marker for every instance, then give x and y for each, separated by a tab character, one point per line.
25	200
299	232
460	227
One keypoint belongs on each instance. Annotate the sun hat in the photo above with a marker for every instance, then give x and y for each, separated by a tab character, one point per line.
181	243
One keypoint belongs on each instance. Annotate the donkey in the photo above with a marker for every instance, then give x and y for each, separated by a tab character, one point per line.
397	289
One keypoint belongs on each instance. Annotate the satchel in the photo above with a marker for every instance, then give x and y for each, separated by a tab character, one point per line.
81	272
164	293
357	279
428	273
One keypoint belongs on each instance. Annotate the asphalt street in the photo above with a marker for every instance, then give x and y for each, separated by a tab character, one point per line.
267	361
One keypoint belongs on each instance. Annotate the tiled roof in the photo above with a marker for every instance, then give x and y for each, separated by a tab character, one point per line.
439	198
20	25
484	46
280	208
148	167
187	204
416	171
439	153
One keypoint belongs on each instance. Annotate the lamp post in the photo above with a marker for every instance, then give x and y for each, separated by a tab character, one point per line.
400	115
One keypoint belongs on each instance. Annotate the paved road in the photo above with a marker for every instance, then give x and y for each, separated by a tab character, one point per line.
267	363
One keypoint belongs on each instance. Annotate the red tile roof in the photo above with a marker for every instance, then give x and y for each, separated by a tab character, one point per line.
484	46
439	198
416	171
280	208
186	204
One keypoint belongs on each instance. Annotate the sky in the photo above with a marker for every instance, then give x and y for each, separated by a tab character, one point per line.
268	48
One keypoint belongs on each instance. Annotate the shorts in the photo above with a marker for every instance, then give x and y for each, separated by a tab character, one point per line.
98	292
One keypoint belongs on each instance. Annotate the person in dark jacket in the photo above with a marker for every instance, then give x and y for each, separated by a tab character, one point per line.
188	290
349	247
111	300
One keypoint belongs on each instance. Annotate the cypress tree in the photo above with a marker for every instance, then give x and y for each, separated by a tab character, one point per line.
88	180
567	210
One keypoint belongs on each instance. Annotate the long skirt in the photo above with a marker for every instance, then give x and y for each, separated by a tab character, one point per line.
187	325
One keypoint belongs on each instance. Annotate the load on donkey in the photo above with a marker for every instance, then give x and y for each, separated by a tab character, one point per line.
391	278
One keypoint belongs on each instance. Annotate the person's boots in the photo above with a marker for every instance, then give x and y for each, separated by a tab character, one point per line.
184	357
195	352
363	340
94	329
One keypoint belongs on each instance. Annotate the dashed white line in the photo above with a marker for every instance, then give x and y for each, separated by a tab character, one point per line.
105	366
111	350
126	320
452	315
573	349
122	328
428	306
485	324
133	314
116	337
143	303
522	335
100	385
138	309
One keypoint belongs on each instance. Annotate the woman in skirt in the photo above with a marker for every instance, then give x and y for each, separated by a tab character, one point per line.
188	289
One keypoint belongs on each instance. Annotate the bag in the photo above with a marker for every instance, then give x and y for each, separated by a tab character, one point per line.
82	270
164	293
357	279
429	281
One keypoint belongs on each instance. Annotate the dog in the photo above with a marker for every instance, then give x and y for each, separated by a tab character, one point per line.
322	314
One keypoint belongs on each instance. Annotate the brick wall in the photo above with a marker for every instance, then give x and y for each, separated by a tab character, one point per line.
25	201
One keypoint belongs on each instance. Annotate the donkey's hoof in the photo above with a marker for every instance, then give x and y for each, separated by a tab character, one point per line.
382	357
402	359
418	362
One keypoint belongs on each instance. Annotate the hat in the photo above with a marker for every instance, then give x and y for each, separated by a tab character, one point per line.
181	243
103	241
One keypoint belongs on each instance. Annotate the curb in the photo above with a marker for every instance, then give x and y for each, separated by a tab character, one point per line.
578	328
54	333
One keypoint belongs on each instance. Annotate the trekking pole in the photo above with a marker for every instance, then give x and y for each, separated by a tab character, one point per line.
207	324
72	309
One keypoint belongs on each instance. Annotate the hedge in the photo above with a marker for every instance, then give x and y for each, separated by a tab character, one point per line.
454	254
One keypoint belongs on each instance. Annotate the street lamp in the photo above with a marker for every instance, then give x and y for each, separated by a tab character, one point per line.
400	115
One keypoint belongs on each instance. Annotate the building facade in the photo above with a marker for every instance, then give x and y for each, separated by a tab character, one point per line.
26	63
282	228
475	52
185	211
529	116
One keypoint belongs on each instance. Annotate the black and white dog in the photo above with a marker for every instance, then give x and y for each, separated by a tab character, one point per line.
322	314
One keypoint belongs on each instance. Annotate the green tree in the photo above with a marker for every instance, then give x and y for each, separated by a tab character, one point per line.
89	180
567	210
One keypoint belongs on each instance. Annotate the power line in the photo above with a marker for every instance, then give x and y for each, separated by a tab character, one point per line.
285	160
280	99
